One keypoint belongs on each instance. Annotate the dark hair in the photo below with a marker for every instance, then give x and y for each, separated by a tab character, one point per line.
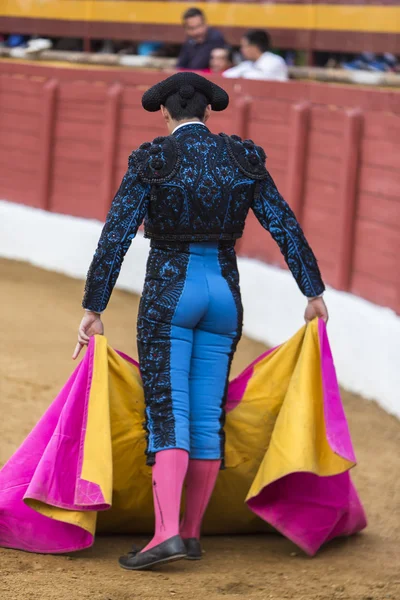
229	52
259	38
193	12
187	104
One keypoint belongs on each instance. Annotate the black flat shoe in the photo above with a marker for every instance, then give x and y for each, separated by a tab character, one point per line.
193	549
168	551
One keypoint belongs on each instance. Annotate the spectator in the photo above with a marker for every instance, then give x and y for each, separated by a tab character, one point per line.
260	63
195	52
221	60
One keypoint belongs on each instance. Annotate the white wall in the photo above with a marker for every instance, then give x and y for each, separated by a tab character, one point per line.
365	338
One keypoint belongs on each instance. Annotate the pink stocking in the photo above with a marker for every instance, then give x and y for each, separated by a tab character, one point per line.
168	476
200	482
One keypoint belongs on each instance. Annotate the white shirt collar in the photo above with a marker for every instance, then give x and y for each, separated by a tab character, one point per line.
188	123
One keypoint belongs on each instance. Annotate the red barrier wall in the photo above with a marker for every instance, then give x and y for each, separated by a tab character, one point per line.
333	151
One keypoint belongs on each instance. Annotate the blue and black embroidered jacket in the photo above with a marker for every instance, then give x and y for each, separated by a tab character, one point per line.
196	186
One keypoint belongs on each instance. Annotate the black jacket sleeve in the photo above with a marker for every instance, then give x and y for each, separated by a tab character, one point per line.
127	211
277	217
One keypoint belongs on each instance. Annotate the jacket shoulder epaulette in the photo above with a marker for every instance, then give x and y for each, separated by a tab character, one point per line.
249	157
156	161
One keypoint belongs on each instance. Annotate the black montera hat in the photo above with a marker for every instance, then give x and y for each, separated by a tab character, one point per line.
186	84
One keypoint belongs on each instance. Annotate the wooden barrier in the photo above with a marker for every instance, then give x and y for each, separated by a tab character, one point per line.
332	150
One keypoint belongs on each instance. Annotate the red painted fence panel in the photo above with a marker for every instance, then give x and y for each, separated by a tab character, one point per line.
20	127
376	273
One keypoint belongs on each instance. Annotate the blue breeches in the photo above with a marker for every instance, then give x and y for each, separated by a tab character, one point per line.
189	324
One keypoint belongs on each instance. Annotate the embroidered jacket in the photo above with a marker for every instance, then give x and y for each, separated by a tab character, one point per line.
196	186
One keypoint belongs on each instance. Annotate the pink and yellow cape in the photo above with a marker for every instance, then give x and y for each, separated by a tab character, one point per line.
288	455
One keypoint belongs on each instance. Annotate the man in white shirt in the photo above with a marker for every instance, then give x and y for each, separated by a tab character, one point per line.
260	63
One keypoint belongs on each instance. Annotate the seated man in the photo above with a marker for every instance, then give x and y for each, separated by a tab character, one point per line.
195	52
260	63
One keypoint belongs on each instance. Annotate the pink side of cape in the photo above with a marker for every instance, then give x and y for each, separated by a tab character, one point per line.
47	467
308	509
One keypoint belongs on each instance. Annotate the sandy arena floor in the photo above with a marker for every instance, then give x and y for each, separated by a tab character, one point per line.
39	316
